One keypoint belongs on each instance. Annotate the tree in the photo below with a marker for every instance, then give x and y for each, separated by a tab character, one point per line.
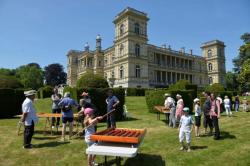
244	52
30	76
244	76
9	72
216	87
180	85
9	81
231	81
54	74
90	80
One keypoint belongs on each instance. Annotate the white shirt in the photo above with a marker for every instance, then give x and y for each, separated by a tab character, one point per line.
227	102
27	107
186	123
197	110
169	102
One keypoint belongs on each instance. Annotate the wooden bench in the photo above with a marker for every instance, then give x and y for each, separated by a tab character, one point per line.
162	110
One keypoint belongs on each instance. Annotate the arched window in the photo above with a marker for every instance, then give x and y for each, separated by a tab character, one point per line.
209	53
137	71
121	49
210	67
121	29
210	80
137	50
137	28
121	72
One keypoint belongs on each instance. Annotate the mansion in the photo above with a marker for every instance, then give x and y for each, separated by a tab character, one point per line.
132	62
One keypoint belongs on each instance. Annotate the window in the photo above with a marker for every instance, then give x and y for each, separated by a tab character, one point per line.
121	72
137	28
121	49
105	61
210	67
112	74
105	75
113	57
137	71
209	53
121	29
137	50
210	80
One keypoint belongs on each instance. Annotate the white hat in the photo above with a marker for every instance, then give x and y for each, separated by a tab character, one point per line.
29	93
220	99
167	94
178	95
185	109
196	99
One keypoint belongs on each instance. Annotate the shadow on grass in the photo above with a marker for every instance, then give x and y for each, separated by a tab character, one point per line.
145	159
198	147
130	119
226	135
50	144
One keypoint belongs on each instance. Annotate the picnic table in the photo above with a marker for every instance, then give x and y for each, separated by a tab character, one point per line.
162	110
47	125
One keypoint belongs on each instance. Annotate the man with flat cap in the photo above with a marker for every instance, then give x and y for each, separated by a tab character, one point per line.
29	118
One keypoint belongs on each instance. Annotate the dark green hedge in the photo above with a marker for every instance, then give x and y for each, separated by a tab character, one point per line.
135	92
11	102
45	92
156	97
98	97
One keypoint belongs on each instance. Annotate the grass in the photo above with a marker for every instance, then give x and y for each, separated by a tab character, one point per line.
160	146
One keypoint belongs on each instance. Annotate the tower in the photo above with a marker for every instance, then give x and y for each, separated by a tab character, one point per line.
98	56
214	54
131	48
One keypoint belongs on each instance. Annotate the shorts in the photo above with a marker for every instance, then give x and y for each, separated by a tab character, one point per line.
89	142
67	119
184	134
197	121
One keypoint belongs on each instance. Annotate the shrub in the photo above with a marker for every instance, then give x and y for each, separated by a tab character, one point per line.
98	97
179	85
135	92
156	97
215	87
90	80
45	92
11	102
9	82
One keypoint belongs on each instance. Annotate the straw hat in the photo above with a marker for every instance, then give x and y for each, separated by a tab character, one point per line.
178	95
29	93
166	94
196	99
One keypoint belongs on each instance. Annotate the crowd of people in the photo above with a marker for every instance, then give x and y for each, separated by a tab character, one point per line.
210	110
65	105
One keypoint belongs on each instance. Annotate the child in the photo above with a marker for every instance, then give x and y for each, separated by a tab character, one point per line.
227	106
245	104
197	110
185	129
90	123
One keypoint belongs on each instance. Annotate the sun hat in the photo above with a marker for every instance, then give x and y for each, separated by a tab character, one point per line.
185	109
196	99
29	93
178	95
166	94
88	111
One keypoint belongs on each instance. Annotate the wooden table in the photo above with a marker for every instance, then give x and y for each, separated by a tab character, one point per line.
47	125
162	110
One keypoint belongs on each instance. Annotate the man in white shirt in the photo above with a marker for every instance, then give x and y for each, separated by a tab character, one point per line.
170	104
29	118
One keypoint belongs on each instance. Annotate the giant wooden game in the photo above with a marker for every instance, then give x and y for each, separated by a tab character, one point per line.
121	135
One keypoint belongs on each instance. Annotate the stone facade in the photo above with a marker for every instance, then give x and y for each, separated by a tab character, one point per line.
133	62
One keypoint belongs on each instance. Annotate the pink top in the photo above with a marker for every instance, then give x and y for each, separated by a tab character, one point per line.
179	108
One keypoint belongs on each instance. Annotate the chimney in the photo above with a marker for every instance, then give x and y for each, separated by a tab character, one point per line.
191	52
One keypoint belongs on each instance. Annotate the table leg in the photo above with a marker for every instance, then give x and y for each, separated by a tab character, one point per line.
105	160
118	161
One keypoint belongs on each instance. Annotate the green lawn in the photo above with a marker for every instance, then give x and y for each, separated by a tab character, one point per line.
160	146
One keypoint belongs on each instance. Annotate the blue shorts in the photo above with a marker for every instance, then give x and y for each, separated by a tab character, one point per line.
67	119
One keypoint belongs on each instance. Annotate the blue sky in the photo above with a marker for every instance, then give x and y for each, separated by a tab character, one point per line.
43	31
